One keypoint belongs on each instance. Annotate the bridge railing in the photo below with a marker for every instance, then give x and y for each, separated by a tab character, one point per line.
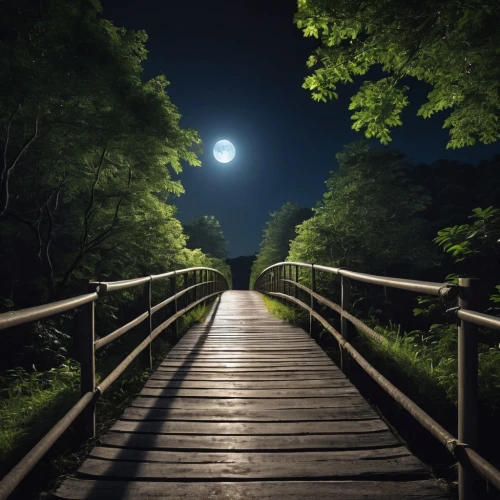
283	280
198	284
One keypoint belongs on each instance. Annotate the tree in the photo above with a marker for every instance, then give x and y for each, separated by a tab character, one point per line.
89	152
276	237
368	219
205	233
453	46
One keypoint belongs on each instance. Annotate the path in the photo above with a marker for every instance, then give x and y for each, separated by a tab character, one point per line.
247	406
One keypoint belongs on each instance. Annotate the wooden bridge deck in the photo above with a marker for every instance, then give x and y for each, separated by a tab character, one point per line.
247	406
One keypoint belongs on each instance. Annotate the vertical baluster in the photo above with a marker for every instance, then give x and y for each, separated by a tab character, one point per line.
173	289
313	288
86	335
467	385
345	302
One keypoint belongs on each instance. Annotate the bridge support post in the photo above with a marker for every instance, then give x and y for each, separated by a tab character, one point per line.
86	335
467	386
147	354
313	288
345	302
186	284
173	291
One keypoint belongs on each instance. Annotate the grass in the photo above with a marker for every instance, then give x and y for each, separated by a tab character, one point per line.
31	403
291	314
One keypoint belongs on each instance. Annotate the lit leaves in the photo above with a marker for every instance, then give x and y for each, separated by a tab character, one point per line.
378	108
465	240
454	49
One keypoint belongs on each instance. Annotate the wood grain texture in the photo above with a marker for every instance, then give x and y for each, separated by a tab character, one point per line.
245	407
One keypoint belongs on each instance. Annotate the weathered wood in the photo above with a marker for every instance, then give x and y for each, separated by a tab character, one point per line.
259	428
404	468
249	398
244	414
74	489
244	404
255	442
249	393
248	385
195	457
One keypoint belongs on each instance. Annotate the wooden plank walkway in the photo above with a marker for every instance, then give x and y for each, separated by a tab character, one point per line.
247	406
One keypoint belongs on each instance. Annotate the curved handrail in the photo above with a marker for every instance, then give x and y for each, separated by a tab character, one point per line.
427	287
274	281
208	287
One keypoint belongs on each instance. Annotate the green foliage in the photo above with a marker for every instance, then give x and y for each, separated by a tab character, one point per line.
282	311
275	243
379	106
428	361
206	233
91	152
31	401
475	246
453	46
463	241
369	219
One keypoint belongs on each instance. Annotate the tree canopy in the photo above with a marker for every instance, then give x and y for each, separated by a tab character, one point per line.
92	154
206	233
454	46
276	237
369	218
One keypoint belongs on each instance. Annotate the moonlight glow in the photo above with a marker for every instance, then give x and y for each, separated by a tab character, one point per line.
224	151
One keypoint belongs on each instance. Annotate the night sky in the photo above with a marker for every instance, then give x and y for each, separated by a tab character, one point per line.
236	70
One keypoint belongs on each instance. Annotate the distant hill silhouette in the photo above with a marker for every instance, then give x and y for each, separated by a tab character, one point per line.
240	268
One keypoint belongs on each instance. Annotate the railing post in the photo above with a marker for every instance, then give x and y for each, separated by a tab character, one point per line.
173	289
186	281
296	288
313	288
86	336
467	386
345	302
148	324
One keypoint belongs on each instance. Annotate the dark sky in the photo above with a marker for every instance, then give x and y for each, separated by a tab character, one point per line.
236	69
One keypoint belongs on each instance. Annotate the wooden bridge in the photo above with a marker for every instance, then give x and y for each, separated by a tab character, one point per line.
247	406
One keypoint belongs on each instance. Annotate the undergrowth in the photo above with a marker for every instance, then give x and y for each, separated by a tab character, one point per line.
291	314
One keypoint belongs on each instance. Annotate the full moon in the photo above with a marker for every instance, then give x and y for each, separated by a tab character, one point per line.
224	151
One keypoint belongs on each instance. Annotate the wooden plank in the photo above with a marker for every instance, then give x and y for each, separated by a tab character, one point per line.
238	376
190	457
260	428
78	489
243	414
234	369
249	384
242	404
406	468
247	443
250	393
